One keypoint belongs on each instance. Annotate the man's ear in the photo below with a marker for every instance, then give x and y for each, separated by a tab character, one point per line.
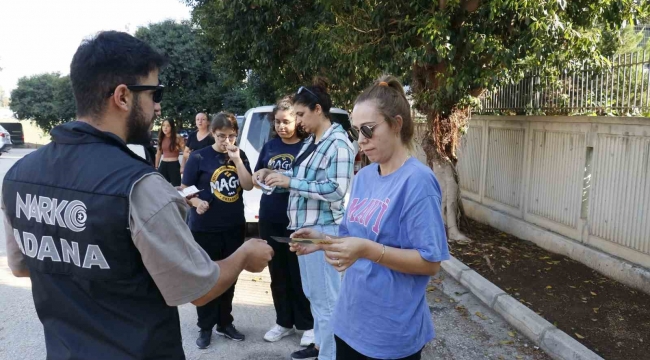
121	97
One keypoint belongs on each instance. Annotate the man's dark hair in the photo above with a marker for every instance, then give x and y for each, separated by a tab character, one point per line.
105	61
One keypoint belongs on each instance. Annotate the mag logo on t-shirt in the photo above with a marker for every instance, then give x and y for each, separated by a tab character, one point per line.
281	162
225	184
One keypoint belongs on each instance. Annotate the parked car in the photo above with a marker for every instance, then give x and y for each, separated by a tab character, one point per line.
5	141
16	131
255	131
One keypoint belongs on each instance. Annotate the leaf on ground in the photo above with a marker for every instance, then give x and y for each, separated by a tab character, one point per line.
506	342
572	287
480	314
579	336
545	258
503	235
518	357
489	264
552	262
593	293
511	334
431	288
596	310
505	249
437	281
437	300
547	269
549	287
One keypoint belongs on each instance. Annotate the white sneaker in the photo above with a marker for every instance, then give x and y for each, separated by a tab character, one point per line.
307	338
277	332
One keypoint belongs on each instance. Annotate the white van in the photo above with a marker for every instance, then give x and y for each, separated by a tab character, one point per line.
255	131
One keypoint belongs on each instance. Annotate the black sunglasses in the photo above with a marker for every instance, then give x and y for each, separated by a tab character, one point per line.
157	94
302	88
366	130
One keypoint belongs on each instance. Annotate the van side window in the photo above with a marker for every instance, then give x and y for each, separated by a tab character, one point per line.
259	130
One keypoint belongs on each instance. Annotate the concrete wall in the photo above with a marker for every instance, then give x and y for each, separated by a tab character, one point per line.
579	186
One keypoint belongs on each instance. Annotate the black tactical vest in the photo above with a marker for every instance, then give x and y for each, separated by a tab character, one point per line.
68	205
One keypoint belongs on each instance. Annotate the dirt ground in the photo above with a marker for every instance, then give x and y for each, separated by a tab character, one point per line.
610	318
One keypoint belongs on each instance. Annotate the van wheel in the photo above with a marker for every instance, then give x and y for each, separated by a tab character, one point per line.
252	230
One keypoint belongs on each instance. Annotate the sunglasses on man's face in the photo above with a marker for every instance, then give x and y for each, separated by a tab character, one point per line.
157	91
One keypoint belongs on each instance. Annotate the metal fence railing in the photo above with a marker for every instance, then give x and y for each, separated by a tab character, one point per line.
623	88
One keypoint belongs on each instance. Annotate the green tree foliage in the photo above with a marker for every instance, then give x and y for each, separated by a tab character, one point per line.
45	99
449	50
192	84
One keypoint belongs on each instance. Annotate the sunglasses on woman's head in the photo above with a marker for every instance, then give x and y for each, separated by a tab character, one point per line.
302	88
157	94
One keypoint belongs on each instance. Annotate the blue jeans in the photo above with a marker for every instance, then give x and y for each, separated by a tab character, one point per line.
321	284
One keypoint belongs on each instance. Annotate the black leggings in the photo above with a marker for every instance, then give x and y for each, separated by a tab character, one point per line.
219	245
291	305
171	170
345	352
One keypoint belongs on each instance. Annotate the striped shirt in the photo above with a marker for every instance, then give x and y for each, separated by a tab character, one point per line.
319	184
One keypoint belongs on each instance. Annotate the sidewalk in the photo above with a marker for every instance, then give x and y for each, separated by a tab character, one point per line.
462	335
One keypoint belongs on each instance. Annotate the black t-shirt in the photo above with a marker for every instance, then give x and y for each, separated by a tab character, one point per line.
219	182
193	142
276	155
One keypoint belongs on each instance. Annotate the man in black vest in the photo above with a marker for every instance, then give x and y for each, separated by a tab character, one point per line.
100	233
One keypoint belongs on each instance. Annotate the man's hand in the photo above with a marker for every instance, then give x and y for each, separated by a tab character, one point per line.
258	254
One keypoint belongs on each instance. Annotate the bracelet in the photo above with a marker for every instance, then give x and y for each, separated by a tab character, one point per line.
383	251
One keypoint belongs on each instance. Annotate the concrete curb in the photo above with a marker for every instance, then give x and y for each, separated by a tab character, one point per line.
556	343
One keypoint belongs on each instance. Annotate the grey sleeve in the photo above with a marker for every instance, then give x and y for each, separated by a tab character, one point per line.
15	258
181	269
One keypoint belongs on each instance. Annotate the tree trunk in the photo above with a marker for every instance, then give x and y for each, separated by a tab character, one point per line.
451	209
444	124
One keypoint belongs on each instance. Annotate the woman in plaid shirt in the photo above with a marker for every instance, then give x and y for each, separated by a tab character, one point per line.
318	183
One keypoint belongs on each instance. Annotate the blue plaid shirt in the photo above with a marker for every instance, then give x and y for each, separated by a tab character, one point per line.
318	185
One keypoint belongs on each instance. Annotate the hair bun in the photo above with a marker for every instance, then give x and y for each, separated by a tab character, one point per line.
391	82
321	82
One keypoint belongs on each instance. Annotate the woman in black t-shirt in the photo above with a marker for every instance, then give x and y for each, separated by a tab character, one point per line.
291	305
217	221
198	139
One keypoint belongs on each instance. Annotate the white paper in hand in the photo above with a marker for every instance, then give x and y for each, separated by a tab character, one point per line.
188	191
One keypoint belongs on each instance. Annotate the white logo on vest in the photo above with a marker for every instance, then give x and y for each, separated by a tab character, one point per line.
66	214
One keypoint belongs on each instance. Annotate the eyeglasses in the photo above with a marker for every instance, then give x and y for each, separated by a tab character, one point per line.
367	130
223	137
302	88
157	94
278	123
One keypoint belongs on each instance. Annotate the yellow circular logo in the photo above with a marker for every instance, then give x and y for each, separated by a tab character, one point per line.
281	162
225	184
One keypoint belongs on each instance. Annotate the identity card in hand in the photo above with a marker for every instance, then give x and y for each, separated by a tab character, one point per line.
300	240
189	191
